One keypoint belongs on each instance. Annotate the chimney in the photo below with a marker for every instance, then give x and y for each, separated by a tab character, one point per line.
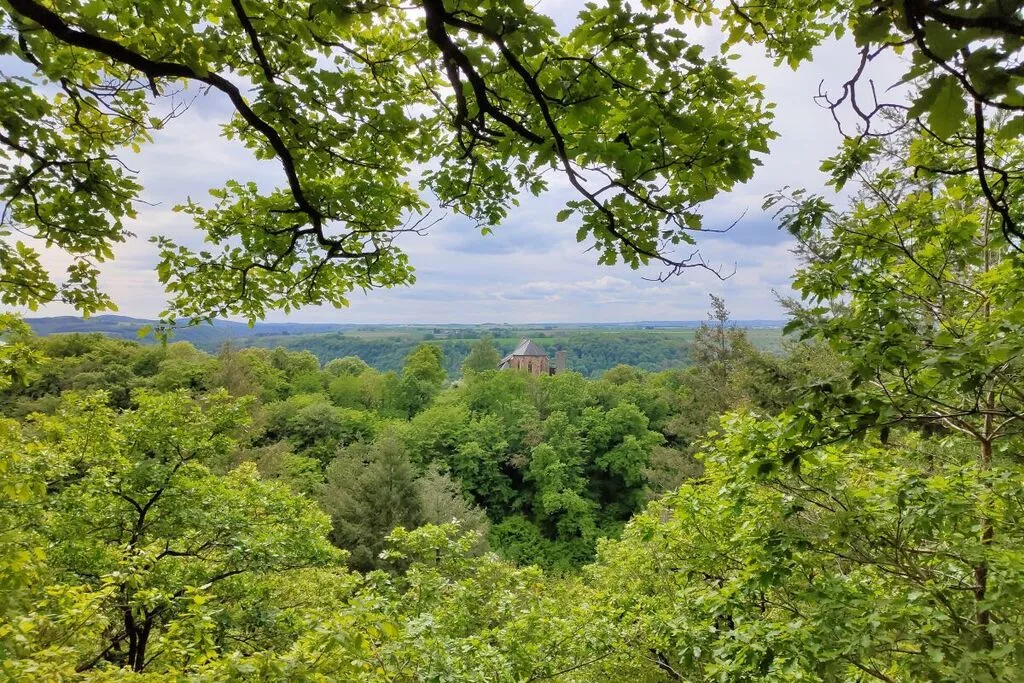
559	361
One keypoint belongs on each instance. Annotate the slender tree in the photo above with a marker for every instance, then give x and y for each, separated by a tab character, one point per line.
483	356
916	287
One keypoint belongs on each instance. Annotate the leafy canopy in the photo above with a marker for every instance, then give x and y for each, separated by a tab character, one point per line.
482	99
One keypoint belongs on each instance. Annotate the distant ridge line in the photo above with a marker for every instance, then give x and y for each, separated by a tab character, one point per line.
106	319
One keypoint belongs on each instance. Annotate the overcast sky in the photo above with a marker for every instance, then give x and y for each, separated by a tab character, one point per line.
531	269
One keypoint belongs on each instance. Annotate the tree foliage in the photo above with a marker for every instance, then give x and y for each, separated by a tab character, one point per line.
854	514
347	100
859	567
560	460
482	356
141	537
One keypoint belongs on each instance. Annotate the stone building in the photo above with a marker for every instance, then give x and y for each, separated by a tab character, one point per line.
532	358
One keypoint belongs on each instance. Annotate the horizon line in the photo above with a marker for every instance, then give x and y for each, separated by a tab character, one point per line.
412	324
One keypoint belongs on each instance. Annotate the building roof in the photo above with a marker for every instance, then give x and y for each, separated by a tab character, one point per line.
526	348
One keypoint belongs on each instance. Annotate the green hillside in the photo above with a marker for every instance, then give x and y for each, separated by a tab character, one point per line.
591	349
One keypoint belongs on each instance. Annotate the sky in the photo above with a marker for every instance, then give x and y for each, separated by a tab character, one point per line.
531	269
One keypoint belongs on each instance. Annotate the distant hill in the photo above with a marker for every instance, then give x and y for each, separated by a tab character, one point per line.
592	347
204	336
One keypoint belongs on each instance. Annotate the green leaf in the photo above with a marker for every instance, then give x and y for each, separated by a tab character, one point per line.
871	28
943	41
926	98
949	110
1014	128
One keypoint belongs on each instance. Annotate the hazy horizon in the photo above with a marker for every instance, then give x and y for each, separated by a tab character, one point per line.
485	323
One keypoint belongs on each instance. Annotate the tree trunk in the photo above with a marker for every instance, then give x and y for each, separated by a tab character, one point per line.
983	614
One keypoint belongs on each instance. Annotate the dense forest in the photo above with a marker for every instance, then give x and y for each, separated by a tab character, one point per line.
589	353
591	349
544	465
205	463
850	508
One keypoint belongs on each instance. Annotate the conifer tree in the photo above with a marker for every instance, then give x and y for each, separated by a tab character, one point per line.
371	490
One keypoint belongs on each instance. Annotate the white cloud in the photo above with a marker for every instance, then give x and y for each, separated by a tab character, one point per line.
605	284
